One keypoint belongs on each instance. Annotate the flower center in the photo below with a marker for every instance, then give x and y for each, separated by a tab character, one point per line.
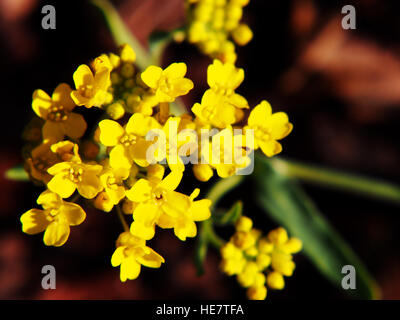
86	91
112	182
128	139
166	85
57	114
261	133
159	196
75	174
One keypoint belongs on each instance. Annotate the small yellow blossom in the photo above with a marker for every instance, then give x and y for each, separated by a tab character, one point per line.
57	111
48	154
69	176
114	190
268	128
128	145
131	254
91	89
155	197
183	219
55	220
248	256
167	84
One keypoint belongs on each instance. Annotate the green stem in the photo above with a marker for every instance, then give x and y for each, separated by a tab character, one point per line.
338	180
221	187
121	34
122	219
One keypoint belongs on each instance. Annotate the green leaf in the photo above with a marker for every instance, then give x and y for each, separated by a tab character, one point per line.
121	33
286	203
338	180
231	216
17	173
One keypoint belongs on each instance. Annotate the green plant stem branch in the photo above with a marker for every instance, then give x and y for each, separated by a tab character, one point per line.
207	235
338	180
121	34
122	219
218	190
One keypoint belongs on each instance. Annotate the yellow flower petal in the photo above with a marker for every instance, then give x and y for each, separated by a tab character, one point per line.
62	186
56	234
151	76
62	97
151	259
118	256
73	212
260	114
34	221
90	185
270	148
140	191
119	157
83	76
130	269
75	125
110	132
53	130
171	181
200	210
41	103
175	70
142	231
49	200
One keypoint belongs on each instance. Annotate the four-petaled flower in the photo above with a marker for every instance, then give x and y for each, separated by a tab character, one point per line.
72	175
91	90
127	144
131	254
57	111
268	127
169	83
55	220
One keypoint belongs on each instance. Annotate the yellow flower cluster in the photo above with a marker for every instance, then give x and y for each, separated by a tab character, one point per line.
109	165
112	169
214	26
222	108
259	262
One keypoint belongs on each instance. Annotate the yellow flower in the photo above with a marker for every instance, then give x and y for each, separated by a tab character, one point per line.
131	254
248	256
128	145
114	190
183	219
214	109
233	260
226	153
40	160
166	145
224	77
91	90
46	155
69	176
169	83
268	128
220	106
55	219
155	196
57	111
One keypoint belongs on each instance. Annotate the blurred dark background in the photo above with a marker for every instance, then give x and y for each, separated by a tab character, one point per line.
341	89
